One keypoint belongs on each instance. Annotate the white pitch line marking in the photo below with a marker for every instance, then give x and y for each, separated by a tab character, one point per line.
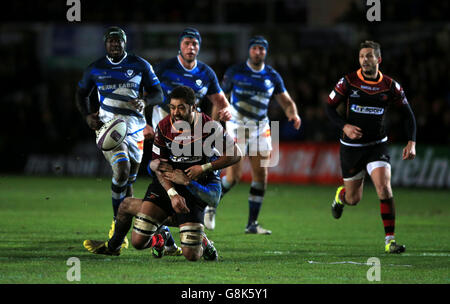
355	263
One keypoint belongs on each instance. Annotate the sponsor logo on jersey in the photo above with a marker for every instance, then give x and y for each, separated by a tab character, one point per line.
369	88
366	110
355	94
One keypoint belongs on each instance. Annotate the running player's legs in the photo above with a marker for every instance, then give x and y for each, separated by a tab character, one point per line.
120	164
134	169
353	190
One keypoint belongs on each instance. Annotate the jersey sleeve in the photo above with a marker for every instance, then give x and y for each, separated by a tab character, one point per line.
279	84
214	86
149	77
159	149
227	81
399	99
339	93
399	96
87	82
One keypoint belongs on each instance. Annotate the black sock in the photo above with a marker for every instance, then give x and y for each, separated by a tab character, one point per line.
120	232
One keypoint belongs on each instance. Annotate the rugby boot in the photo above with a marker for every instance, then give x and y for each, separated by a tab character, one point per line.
393	247
100	247
256	228
209	251
338	206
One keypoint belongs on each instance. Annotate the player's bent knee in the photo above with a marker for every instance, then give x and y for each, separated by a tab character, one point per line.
352	199
384	191
192	254
191	237
144	227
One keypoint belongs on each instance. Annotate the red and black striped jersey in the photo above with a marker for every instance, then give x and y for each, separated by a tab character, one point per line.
185	145
366	103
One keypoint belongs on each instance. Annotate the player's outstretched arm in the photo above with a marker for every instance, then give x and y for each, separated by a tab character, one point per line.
220	109
289	108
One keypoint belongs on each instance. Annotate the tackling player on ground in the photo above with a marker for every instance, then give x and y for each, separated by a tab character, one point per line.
251	85
185	183
185	69
366	94
120	79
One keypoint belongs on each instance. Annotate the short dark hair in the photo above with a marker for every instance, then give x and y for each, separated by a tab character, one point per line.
185	93
373	45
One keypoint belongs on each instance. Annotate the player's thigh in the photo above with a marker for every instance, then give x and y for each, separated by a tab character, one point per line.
353	190
191	237
380	173
130	206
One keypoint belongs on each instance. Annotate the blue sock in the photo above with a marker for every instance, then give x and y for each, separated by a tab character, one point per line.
118	193
255	200
169	241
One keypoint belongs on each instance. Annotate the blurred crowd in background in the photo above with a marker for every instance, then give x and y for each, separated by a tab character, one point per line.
38	105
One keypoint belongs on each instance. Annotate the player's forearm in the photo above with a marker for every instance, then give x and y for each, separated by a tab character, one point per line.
210	193
334	116
222	162
164	182
290	110
82	101
410	123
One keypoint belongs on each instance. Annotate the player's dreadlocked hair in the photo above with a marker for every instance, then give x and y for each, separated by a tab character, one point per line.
373	45
185	93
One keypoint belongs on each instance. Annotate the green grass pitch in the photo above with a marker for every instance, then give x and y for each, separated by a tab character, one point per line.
43	222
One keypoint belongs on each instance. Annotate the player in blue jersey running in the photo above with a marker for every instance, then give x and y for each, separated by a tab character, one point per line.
251	85
185	69
120	80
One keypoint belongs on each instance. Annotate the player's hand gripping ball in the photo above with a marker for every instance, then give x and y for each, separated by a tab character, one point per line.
111	134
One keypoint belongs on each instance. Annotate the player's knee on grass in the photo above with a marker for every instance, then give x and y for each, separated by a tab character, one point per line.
191	237
143	229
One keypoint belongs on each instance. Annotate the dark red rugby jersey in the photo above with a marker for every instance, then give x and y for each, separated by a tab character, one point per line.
194	144
366	103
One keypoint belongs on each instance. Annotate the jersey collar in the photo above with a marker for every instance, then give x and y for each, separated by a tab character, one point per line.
187	70
253	70
119	62
360	76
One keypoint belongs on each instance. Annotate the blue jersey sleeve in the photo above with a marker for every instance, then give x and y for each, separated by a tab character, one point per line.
227	81
214	87
87	82
279	84
149	78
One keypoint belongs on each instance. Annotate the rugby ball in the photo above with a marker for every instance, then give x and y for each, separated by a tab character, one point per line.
111	134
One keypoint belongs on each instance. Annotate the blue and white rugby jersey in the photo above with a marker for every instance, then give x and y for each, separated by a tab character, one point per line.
118	83
202	79
251	91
